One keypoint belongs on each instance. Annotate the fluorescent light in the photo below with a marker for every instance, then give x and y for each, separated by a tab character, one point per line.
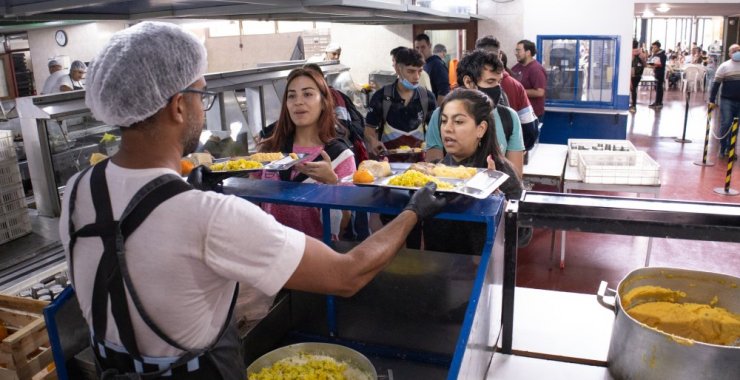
663	8
647	14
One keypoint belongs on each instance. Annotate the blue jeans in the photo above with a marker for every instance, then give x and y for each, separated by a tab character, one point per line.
728	109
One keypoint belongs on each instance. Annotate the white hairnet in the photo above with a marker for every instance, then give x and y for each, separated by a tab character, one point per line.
54	62
332	47
78	65
140	69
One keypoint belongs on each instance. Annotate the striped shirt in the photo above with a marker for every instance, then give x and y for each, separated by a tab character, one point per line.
727	76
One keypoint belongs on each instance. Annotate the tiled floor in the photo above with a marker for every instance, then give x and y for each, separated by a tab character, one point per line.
591	258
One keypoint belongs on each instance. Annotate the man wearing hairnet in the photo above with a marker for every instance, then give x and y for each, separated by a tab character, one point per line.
56	72
73	81
155	263
332	52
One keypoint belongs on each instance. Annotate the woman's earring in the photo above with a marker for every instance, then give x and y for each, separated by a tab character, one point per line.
479	143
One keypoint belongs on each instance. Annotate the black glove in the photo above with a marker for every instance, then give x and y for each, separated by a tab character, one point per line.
424	203
199	178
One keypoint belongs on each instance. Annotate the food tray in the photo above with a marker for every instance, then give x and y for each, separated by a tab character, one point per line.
282	164
14	225
608	147
636	169
480	186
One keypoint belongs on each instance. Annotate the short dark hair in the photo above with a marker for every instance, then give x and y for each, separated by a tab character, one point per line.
657	43
528	46
635	44
395	51
488	42
314	67
423	37
473	64
409	57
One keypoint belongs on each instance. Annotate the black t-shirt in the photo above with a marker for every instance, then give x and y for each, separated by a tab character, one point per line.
439	75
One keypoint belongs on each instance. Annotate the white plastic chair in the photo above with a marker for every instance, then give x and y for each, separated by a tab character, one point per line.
692	77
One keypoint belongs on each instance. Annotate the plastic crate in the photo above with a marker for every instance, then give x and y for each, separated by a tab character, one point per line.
12	198
14	225
608	147
624	169
7	148
10	174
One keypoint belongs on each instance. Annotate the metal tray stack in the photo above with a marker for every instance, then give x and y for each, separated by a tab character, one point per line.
14	219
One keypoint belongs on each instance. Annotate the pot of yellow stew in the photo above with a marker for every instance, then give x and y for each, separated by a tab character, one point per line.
674	324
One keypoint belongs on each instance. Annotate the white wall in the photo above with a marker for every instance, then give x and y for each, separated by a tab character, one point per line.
84	42
525	19
367	48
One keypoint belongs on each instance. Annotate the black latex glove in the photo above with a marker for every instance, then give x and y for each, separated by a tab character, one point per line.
424	203
197	178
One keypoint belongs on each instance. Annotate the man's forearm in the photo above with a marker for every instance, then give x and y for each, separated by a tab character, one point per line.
535	92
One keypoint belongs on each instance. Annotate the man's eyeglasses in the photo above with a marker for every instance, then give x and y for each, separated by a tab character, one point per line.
206	97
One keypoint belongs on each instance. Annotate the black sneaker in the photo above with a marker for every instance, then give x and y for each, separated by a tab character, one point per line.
656	105
633	109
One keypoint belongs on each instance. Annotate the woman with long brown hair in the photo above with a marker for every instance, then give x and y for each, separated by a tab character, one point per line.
307	125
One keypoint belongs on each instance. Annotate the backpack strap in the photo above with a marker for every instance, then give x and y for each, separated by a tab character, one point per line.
387	100
506	122
424	98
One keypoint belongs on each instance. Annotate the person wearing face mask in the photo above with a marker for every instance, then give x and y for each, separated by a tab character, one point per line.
727	78
398	113
483	71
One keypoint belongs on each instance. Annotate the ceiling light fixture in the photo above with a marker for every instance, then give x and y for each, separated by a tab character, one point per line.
663	8
647	14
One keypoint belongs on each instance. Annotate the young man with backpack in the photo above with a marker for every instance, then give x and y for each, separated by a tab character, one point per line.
483	71
398	113
639	61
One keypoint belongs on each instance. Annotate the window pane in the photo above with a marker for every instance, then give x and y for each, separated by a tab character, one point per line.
560	61
598	68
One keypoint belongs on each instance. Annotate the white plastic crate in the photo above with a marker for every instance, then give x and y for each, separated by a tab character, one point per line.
608	147
9	173
624	169
7	149
14	225
12	198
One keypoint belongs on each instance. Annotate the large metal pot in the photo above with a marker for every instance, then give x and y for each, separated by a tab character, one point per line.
338	352
639	352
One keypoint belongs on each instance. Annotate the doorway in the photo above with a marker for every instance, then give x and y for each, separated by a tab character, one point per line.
16	72
458	38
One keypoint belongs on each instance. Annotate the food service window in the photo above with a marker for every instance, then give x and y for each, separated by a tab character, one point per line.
581	70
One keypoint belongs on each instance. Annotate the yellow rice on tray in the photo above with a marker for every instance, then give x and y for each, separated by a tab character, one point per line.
309	367
413	178
240	164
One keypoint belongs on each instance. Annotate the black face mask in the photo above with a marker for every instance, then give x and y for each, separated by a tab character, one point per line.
493	92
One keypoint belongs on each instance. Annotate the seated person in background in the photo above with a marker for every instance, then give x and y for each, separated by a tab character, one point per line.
674	73
307	124
484	71
73	81
467	117
399	112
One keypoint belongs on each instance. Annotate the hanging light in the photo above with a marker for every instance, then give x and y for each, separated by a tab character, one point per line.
647	13
663	8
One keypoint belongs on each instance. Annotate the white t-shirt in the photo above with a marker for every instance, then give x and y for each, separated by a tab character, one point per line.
66	80
52	80
183	259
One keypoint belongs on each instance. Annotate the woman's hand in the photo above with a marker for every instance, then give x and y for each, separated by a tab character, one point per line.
491	164
320	171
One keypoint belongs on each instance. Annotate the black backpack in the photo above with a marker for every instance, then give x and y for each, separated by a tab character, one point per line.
637	66
388	98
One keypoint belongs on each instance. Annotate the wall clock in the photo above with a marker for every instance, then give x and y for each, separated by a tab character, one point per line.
61	37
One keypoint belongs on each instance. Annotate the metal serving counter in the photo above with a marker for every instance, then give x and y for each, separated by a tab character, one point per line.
60	134
443	318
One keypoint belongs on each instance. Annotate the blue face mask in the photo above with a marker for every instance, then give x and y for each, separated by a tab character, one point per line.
736	56
408	85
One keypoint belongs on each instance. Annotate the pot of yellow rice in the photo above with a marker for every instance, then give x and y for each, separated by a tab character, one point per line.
312	361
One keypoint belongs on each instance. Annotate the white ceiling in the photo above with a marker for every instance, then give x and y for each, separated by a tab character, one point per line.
691	9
